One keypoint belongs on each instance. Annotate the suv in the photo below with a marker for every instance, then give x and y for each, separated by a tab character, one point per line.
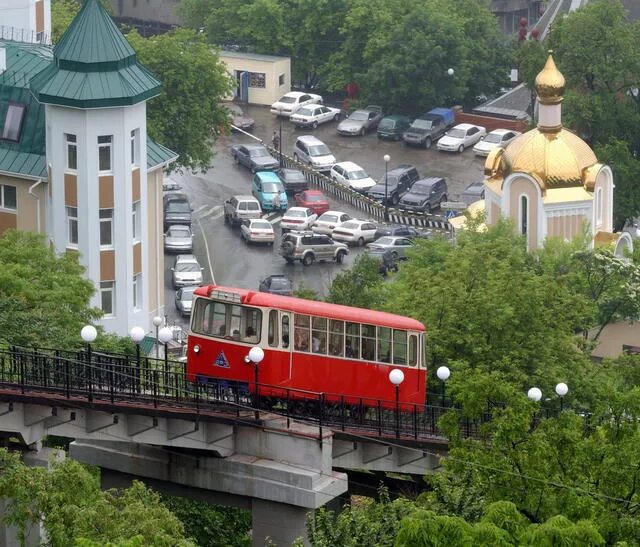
425	195
309	246
240	208
312	151
176	210
399	180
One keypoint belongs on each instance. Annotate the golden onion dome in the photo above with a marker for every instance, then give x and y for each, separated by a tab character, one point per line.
555	159
550	83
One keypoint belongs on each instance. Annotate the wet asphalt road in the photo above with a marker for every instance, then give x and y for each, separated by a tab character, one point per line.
219	248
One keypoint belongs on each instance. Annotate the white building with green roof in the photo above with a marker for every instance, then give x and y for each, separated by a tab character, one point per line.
76	162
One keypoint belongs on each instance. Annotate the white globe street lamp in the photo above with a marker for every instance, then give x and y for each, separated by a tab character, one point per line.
387	159
88	333
534	394
562	389
137	334
443	374
157	321
255	356
450	71
396	377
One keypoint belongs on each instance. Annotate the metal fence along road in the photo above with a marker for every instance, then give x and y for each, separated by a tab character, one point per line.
119	383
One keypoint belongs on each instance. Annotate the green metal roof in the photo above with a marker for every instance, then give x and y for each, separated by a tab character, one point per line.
157	154
95	67
27	156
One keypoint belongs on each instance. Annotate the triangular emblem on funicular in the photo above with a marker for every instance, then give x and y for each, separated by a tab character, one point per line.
221	360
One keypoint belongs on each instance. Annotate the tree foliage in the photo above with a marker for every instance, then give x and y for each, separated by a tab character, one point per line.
73	509
359	286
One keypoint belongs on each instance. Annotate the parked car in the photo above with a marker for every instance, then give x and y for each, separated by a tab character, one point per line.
312	151
361	121
398	180
307	247
292	101
397	245
459	138
392	127
238	117
293	180
170	185
386	262
314	200
257	230
314	115
186	270
328	221
277	284
425	195
184	300
298	218
254	156
352	175
472	193
400	230
239	208
179	239
355	231
267	188
176	210
427	129
494	139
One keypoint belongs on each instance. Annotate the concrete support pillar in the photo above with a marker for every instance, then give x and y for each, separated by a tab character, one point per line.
279	522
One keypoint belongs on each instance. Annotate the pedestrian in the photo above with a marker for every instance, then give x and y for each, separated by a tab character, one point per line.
275	203
275	141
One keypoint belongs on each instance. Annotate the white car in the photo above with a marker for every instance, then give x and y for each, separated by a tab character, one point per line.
328	221
352	175
355	231
313	115
460	137
290	102
298	218
257	230
494	139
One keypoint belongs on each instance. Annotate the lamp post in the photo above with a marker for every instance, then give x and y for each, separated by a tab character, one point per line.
165	335
443	374
255	356
157	321
450	73
562	389
386	159
396	377
137	335
88	335
534	394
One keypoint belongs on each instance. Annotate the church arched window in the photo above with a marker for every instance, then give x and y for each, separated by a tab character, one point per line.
524	215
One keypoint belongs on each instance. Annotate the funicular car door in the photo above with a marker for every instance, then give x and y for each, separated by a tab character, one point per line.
278	342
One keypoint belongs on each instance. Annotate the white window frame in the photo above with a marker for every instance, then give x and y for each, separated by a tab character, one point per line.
71	142
108	145
3	198
13	122
105	219
135	148
137	291
135	221
599	205
72	218
108	288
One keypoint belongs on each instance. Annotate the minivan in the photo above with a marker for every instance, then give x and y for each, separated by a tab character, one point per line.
425	195
312	151
176	210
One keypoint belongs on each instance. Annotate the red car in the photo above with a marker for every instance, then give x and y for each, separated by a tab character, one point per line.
314	200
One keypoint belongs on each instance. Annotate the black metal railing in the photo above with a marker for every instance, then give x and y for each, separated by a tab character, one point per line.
91	377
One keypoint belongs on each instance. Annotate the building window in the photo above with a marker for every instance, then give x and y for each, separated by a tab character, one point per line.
135	220
599	206
106	227
72	226
524	215
137	291
72	151
107	297
13	122
257	79
134	147
8	198
104	152
281	79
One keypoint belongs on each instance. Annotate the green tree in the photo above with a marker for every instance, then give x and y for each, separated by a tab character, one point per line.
359	286
44	297
73	509
187	116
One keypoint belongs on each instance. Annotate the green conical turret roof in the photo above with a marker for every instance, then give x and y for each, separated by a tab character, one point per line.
94	66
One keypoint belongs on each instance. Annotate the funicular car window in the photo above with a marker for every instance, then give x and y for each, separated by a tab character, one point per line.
223	319
319	335
285	331
336	338
301	333
369	342
399	347
384	344
352	341
413	350
272	334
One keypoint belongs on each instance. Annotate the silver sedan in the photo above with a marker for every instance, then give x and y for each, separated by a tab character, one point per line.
397	245
178	238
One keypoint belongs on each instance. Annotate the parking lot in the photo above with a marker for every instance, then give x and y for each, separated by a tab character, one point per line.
221	251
